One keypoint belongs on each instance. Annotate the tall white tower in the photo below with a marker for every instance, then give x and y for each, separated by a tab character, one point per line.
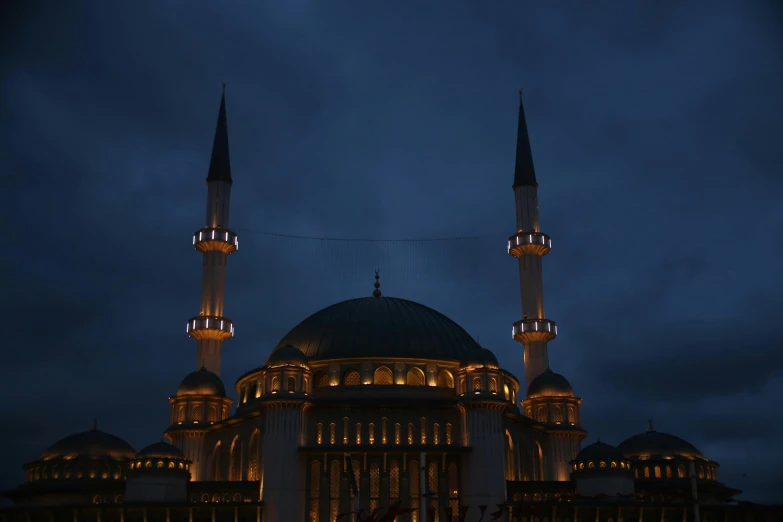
529	245
216	242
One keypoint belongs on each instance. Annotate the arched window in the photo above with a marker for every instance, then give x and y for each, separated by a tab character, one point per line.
413	487
321	379
668	472
253	389
415	377
332	430
375	485
345	430
371	433
657	472
383	430
701	471
448	433
506	392
646	472
275	384
571	415
197	413
315	490
383	375
436	433
352	378
432	488
453	482
423	434
254	456
358	433
493	385
476	384
319	433
217	464
181	414
538	462
680	471
541	416
397	433
445	379
305	386
334	489
557	413
509	457
291	384
235	464
357	472
394	480
410	433
462	386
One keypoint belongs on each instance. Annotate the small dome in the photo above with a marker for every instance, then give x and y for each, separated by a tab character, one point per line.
91	444
287	355
202	382
161	450
483	358
550	384
655	443
600	451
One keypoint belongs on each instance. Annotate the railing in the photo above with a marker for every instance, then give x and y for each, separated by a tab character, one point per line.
221	239
205	326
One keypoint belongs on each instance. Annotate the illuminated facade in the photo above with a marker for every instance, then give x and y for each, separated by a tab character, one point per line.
366	403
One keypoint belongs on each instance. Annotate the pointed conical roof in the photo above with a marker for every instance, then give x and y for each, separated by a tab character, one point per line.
219	164
524	173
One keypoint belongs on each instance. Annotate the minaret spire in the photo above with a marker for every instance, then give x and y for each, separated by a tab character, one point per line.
524	172
215	241
220	164
529	245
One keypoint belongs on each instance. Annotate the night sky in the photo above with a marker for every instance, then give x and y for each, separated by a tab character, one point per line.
656	132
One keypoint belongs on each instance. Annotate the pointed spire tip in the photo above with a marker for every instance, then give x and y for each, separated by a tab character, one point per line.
524	172
219	163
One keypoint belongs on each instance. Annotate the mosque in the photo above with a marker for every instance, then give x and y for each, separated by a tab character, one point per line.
372	405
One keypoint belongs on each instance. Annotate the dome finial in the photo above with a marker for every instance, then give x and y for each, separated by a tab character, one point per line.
650	422
377	285
95	424
598	439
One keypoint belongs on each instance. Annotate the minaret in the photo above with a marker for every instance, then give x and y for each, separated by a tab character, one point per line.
529	245
216	242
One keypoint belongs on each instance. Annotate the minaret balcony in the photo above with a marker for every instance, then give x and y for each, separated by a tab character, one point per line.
529	243
534	330
210	327
216	239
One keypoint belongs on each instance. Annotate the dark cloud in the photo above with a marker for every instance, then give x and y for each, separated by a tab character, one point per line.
655	140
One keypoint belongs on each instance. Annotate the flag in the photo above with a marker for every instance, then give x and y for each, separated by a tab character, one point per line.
463	512
391	513
372	517
499	513
482	509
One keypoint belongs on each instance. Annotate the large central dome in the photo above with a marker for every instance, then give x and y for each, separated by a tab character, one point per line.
381	327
